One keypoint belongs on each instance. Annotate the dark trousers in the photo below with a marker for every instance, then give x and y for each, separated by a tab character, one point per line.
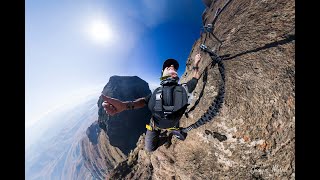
154	139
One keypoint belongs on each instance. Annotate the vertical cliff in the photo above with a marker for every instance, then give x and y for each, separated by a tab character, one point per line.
110	138
124	129
98	155
253	135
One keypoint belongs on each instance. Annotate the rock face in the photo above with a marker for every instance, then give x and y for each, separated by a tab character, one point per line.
99	156
253	136
124	129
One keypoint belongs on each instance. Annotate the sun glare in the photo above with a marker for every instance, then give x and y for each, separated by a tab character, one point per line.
100	32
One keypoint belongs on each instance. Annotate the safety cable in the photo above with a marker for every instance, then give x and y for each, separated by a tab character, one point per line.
216	105
218	101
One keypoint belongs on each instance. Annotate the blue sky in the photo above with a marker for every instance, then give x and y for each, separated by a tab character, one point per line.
73	47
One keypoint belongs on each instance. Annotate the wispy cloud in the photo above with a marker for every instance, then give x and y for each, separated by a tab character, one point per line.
70	101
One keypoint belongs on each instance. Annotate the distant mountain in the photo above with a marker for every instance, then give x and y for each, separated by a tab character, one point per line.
111	138
100	157
82	141
56	154
124	129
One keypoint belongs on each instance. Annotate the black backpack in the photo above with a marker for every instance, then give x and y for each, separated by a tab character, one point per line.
168	103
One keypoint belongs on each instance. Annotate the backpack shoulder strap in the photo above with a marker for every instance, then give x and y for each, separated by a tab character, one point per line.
158	99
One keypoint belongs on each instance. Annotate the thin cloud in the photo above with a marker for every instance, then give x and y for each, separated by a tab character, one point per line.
76	98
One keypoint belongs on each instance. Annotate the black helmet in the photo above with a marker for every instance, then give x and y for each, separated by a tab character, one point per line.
170	62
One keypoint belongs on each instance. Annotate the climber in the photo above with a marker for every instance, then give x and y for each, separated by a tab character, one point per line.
167	103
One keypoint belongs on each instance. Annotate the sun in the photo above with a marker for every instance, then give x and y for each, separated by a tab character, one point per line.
100	31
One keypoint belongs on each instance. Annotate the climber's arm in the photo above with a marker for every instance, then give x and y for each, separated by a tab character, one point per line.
113	106
195	67
136	104
192	84
196	74
194	81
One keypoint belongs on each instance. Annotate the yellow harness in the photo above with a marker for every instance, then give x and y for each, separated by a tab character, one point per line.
152	127
157	128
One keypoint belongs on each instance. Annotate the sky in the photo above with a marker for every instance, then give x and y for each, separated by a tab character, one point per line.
73	47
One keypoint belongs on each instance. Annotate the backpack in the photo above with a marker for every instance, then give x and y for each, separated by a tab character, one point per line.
168	103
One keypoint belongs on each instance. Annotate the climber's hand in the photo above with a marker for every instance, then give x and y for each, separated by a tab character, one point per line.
112	106
197	59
